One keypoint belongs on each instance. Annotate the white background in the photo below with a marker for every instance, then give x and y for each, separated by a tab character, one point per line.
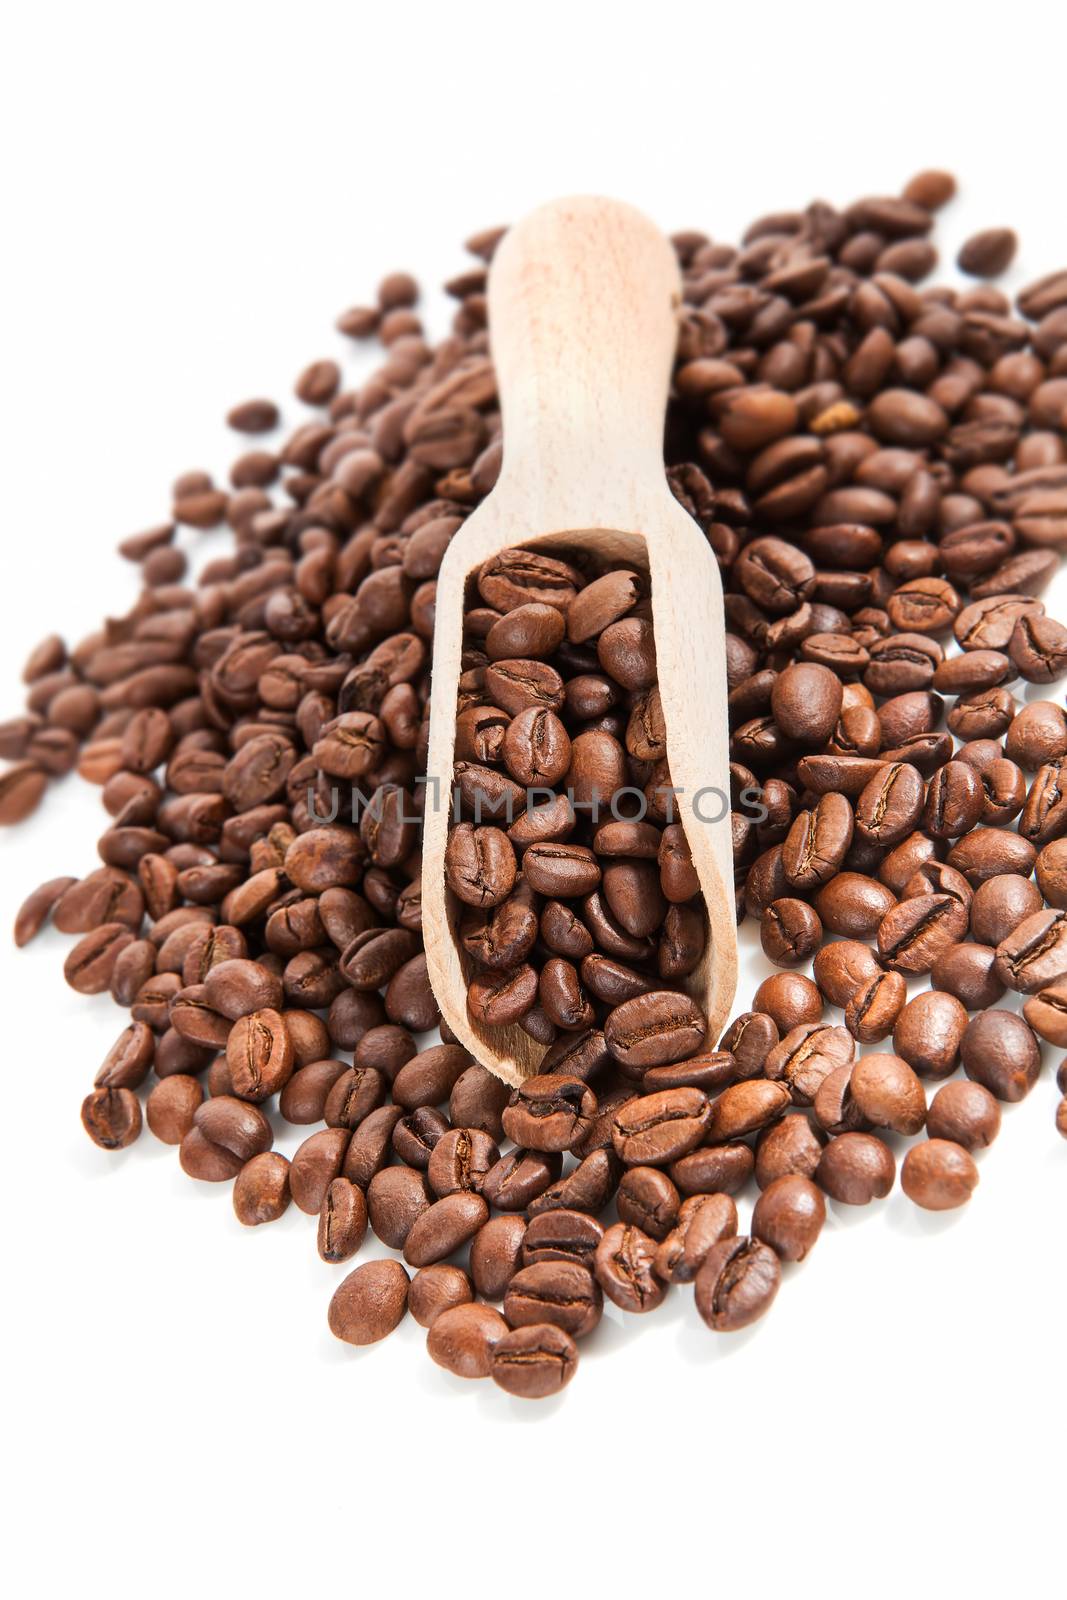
190	195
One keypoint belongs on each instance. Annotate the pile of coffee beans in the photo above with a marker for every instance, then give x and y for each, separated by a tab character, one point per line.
880	469
561	759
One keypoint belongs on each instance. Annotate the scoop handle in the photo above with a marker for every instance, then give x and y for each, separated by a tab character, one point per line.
583	312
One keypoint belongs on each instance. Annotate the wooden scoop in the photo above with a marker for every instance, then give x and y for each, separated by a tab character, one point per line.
583	303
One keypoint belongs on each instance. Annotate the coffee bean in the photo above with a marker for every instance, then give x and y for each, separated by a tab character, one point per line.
856	1168
928	1032
518	1178
788	1216
789	999
562	1293
261	1190
38	907
703	1220
315	1165
790	931
624	1269
655	1029
443	1227
549	1113
964	1112
938	1175
171	1107
713	1169
888	1094
653	1130
396	1198
791	1145
533	1362
369	1303
874	1007
1000	1052
259	1053
112	1117
737	1283
1034	953
342	1221
987	254
648	1199
914	933
437	1289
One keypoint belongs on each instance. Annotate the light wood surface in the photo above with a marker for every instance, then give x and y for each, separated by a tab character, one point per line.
583	302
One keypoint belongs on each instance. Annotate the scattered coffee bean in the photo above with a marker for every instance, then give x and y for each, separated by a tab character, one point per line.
938	1175
370	1302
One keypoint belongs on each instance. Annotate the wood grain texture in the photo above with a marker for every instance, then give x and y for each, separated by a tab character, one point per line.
583	303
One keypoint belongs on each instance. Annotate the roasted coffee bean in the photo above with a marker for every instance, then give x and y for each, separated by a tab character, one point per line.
437	1289
356	1093
843	967
890	805
653	1130
440	1230
171	1107
655	1029
37	908
259	1054
928	1032
854	905
369	1303
415	1136
559	1235
129	1060
462	1338
112	1117
999	1051
396	1198
496	1253
749	1039
533	1362
914	933
1034	953
818	842
737	1283
563	1293
887	1093
261	1191
790	931
516	1180
342	1221
968	972
713	1169
788	1216
789	999
805	1056
874	1007
703	1220
479	865
1000	904
965	1113
1046	1011
549	1112
624	1269
460	1161
856	1168
648	1199
588	1187
938	1175
226	1133
315	1165
788	1146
